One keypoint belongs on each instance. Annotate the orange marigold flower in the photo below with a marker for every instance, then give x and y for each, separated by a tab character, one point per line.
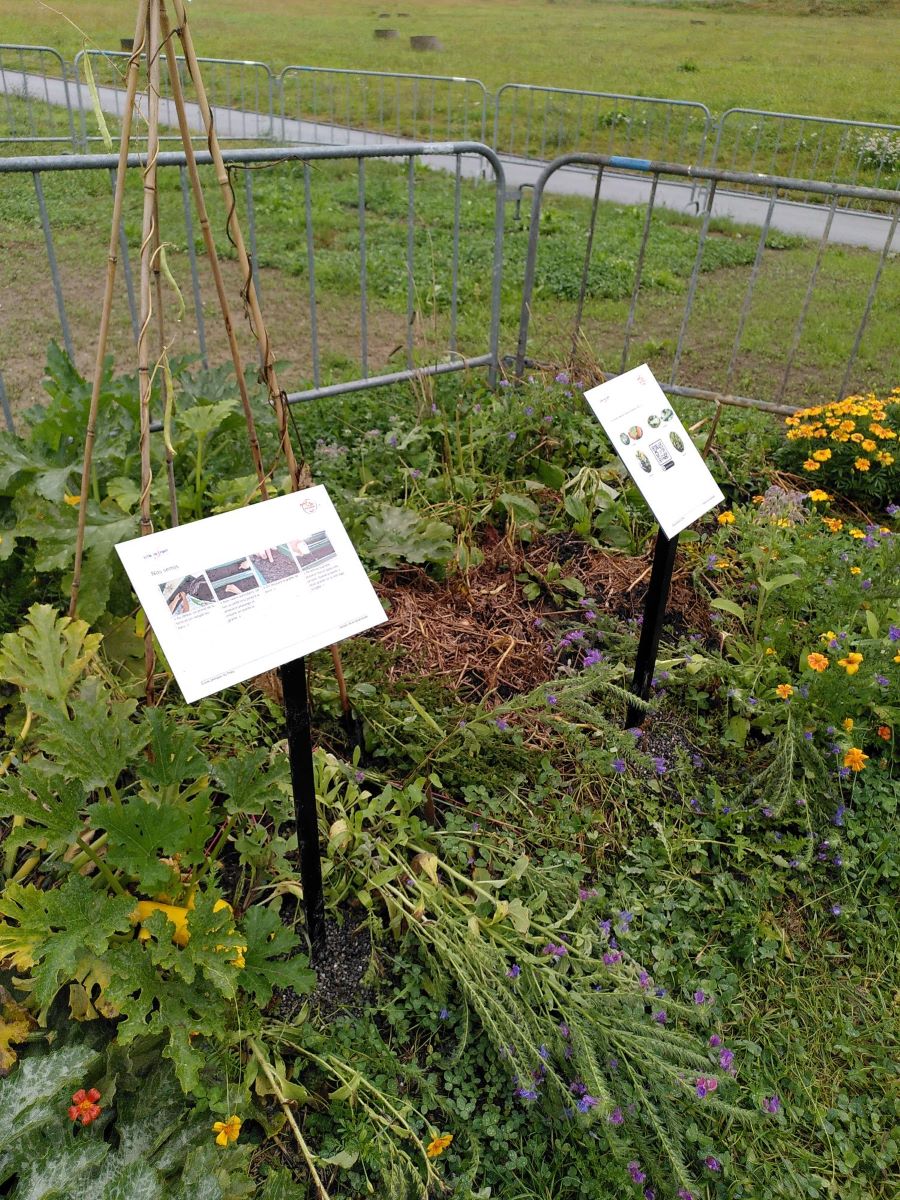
227	1131
868	445
817	662
856	437
855	759
861	464
784	690
84	1106
884	731
811	465
835	524
726	518
822	455
438	1145
851	662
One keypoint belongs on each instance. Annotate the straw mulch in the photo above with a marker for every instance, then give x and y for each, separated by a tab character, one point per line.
478	631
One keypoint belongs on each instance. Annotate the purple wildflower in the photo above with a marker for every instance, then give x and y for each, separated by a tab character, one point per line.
644	979
529	411
618	765
649	1194
514	971
706	1084
712	1163
836	910
552	700
526	1093
444	1015
360	777
611	957
882	680
562	377
625	918
636	732
502	724
392	440
726	1058
637	1175
700	996
586	1103
894	633
554	950
564	1029
416	473
586	893
715	1040
592	658
615	1117
605	926
684	1194
659	764
771	1104
660	1016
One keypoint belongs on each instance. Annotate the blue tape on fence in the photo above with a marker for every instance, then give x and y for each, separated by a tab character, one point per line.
634	164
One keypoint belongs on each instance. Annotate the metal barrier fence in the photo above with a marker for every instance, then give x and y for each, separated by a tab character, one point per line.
679	346
325	104
36	103
543	122
241	94
822	148
299	192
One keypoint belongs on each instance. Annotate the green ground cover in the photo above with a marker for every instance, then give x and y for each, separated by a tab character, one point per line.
619	965
806	57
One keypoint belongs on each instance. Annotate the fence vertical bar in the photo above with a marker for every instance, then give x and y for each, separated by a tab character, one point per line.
363	271
192	259
454	264
870	300
311	273
748	294
638	270
126	264
54	268
586	265
497	272
410	260
801	319
695	276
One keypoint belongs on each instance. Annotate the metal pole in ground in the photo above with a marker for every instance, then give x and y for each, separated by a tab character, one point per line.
654	612
300	754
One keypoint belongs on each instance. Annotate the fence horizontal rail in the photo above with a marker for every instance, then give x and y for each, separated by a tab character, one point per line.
30	78
741	314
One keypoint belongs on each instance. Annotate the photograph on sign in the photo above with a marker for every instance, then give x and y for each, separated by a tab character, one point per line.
244	592
656	448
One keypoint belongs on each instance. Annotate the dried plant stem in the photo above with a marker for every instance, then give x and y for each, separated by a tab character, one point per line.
276	395
149	237
106	310
289	1116
211	253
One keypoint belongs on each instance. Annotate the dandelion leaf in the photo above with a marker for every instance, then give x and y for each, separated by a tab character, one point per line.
48	654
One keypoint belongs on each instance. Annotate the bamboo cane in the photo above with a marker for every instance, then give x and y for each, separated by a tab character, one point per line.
276	395
212	255
148	235
106	310
162	361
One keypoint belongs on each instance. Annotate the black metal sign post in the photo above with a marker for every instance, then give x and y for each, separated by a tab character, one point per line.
654	611
300	753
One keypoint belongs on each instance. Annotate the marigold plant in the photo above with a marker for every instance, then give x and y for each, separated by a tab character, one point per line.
853	443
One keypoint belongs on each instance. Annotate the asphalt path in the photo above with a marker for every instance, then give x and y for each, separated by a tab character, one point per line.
848	227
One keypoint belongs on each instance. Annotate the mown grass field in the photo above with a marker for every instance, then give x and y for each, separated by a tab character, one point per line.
827	57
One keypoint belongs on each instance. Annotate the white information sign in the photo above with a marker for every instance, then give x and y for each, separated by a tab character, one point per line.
244	592
656	448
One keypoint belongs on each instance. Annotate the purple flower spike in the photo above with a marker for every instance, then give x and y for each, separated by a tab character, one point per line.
715	1040
726	1058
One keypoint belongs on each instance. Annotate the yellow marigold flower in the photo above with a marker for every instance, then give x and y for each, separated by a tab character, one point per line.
227	1131
784	690
855	759
851	662
438	1145
840	437
856	570
811	465
857	533
847	723
835	524
783	523
828	636
884	458
817	662
769	650
818	496
868	445
856	437
862	464
726	518
884	731
897	658
822	455
758	499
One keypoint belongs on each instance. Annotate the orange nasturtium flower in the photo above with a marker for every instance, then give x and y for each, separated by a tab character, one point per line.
784	690
884	731
851	662
817	662
855	759
227	1131
84	1106
438	1145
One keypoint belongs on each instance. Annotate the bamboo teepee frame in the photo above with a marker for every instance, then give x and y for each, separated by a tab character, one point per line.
154	38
